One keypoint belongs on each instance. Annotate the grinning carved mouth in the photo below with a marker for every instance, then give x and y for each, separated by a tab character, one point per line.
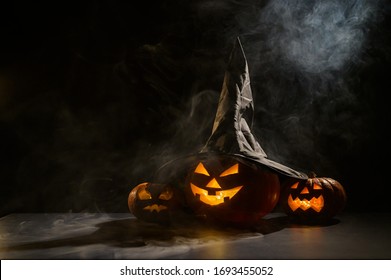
314	203
155	207
217	198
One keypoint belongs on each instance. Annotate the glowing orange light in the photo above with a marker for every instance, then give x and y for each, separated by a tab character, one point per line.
232	170
155	207
304	191
314	203
317	187
143	194
200	169
213	184
217	198
295	185
166	195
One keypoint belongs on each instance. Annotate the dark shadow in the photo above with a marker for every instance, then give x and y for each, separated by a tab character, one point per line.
326	223
271	225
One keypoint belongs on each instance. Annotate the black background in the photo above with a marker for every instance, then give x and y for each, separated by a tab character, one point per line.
95	96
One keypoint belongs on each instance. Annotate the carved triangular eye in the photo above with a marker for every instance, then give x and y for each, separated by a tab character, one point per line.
232	170
166	195
317	187
304	191
295	185
143	194
200	169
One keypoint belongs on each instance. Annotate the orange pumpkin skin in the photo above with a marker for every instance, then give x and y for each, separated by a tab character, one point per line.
314	200
155	203
230	190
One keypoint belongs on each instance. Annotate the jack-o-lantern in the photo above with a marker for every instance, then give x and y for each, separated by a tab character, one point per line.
231	190
314	200
156	203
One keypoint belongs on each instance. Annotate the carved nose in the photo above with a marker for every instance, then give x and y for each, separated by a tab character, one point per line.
213	184
304	191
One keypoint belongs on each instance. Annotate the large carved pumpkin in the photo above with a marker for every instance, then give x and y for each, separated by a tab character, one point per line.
314	200
231	190
157	203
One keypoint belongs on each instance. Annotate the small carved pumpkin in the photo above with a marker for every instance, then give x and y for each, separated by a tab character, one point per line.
153	202
231	190
314	200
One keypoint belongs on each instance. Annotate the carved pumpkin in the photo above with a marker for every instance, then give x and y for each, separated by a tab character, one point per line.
231	190
153	202
314	200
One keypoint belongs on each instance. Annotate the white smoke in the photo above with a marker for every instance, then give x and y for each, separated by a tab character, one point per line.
317	36
304	58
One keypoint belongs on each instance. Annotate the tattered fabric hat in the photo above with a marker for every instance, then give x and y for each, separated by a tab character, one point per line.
231	133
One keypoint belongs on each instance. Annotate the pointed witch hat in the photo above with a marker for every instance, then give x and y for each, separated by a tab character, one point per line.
231	133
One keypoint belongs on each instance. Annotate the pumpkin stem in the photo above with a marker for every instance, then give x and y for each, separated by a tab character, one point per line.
312	174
